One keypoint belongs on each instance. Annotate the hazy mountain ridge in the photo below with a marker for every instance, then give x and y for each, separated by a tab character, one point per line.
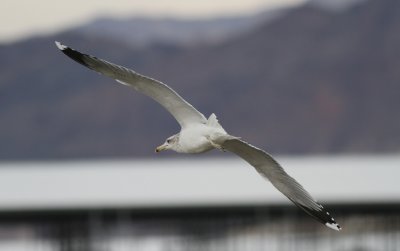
317	81
144	31
336	5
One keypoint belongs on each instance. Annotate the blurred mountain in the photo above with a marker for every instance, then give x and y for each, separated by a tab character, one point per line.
144	31
309	81
335	5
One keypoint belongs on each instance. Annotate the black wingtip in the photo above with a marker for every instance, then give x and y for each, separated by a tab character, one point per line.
331	223
322	216
73	54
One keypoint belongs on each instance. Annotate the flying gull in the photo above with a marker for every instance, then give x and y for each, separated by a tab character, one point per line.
199	134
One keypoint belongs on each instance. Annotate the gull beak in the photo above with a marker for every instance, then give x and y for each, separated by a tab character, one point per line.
161	148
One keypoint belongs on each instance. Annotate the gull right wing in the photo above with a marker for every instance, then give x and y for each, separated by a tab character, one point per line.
182	111
270	169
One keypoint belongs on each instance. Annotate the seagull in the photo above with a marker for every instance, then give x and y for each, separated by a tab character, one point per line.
199	134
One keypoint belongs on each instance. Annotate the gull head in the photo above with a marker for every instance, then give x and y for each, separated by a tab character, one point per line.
170	144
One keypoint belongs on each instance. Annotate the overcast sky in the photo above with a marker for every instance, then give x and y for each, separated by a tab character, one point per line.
22	18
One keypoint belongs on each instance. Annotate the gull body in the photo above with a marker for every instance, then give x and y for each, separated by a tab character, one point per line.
194	139
199	134
197	138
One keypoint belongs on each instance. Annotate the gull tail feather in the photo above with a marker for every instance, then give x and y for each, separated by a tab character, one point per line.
213	121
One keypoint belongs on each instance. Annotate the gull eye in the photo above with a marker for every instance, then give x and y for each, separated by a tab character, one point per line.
169	141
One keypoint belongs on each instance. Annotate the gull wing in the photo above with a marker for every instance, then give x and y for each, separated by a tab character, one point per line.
270	169
182	111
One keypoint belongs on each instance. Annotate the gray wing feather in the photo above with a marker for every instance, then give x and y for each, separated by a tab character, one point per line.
182	111
270	169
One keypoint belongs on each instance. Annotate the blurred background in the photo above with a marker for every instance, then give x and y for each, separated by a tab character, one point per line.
316	83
